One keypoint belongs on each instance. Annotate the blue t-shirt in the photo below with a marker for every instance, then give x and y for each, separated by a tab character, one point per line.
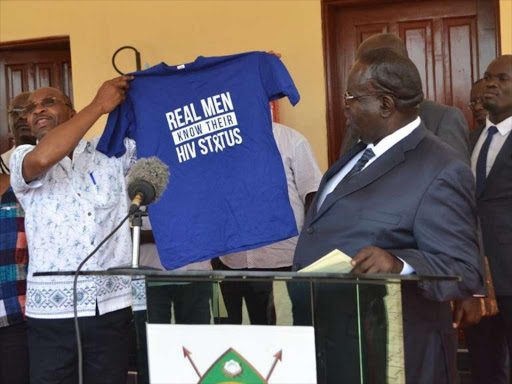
210	121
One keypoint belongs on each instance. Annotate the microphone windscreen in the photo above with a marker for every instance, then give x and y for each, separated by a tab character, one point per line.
150	170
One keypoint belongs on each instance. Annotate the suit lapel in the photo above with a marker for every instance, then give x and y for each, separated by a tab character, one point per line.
504	153
389	160
344	160
473	137
335	169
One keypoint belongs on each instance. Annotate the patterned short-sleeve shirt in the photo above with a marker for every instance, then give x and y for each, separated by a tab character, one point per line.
68	212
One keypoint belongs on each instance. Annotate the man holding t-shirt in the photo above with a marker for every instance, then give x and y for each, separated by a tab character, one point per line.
73	197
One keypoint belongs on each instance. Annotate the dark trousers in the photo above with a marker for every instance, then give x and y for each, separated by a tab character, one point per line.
259	297
53	349
191	306
488	350
300	296
505	316
139	318
191	303
350	330
14	354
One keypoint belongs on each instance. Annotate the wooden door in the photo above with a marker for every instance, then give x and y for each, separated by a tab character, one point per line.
451	43
30	64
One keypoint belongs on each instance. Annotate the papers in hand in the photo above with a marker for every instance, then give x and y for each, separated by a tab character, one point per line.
335	261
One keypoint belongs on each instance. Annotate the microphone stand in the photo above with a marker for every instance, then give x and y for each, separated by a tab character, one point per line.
136	227
136	224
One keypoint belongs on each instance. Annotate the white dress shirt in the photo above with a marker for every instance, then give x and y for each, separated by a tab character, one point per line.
68	212
497	142
382	146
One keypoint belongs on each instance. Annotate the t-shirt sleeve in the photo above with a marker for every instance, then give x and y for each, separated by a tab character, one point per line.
16	165
306	172
120	124
276	80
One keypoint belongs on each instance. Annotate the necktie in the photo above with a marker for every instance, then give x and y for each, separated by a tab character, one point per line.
367	155
358	167
481	163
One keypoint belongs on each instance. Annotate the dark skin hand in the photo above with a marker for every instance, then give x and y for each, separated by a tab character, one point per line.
277	54
5	182
467	312
376	260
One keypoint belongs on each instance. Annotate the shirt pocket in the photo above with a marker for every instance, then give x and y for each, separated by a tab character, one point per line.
106	184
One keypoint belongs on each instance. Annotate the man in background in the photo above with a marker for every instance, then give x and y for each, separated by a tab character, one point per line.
484	331
19	127
444	121
14	364
491	162
477	108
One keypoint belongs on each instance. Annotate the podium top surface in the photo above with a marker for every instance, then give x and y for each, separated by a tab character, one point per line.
212	276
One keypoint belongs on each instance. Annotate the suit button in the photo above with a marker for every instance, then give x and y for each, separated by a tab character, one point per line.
310	230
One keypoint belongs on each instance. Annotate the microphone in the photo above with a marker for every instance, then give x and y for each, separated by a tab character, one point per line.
147	181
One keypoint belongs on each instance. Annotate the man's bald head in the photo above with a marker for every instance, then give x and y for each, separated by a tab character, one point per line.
48	107
497	97
382	40
51	91
19	99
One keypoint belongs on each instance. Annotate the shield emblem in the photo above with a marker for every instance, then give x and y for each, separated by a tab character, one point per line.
232	368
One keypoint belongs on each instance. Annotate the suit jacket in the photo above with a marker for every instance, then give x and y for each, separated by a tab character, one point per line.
417	202
494	207
447	123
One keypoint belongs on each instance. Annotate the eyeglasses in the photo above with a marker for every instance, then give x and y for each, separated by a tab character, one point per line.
16	111
500	77
46	102
347	96
472	104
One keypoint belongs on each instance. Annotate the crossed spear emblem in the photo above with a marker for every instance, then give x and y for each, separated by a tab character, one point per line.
277	357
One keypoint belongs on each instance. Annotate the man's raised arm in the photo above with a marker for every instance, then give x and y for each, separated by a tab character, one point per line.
59	128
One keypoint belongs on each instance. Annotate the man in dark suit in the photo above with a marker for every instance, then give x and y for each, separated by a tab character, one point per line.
444	121
485	336
400	201
491	162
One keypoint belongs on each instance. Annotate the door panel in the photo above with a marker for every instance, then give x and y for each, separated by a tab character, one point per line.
461	58
442	38
417	36
45	75
17	79
365	31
